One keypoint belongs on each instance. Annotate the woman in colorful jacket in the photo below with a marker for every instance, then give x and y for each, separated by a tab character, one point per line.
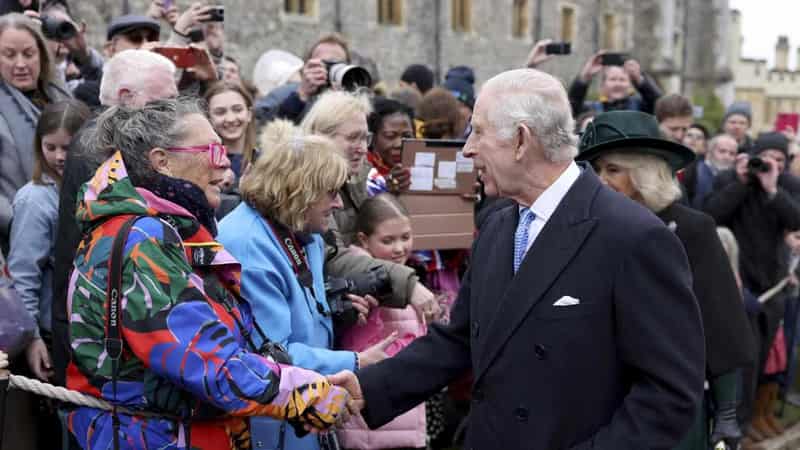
188	373
288	196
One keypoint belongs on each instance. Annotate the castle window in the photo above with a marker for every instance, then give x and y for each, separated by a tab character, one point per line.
390	12
519	19
461	15
300	7
568	23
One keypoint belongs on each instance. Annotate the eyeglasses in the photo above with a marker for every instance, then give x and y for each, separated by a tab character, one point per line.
217	153
358	138
137	37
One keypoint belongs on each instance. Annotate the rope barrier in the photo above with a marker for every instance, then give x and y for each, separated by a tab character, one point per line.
56	392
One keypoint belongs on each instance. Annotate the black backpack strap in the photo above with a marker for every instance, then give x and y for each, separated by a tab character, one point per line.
113	340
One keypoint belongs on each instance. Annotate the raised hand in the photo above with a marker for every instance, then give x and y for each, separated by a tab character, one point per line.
377	352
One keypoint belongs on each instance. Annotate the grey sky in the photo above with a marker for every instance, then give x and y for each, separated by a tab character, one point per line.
763	21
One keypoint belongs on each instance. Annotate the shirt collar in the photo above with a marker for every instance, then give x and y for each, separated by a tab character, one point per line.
548	201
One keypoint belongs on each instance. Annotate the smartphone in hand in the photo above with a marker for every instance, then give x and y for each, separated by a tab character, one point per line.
558	48
182	57
216	14
613	59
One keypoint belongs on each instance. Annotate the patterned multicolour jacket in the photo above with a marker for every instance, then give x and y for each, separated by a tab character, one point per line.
184	353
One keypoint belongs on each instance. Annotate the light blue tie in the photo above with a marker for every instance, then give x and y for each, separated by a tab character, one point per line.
521	236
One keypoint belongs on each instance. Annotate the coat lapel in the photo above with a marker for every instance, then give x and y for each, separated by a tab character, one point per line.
554	248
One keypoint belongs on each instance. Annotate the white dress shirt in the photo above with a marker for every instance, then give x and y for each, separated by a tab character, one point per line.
548	201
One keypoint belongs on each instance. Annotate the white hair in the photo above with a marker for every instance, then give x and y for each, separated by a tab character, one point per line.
539	101
651	176
332	109
129	70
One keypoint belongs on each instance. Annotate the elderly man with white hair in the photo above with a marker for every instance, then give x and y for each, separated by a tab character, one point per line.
131	78
576	317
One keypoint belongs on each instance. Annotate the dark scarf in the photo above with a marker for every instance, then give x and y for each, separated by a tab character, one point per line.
189	196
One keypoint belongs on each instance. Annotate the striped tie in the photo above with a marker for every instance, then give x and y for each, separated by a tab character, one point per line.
521	236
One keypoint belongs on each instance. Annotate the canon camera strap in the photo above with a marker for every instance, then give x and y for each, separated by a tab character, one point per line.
297	256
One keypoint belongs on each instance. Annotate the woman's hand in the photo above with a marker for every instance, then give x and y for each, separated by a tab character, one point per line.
377	352
363	305
39	359
3	360
399	179
425	303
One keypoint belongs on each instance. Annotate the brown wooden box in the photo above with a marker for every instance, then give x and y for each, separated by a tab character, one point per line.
440	217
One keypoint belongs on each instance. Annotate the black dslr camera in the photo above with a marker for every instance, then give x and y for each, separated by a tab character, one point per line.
376	283
756	165
57	29
276	351
347	77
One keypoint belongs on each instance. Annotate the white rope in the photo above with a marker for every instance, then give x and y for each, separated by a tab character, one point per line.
57	392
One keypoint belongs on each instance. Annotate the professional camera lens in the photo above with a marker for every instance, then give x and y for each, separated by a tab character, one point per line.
757	165
347	77
57	29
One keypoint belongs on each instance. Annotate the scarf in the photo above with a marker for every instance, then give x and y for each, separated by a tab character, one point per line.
189	196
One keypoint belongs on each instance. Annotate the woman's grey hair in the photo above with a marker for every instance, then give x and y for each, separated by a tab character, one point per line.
136	131
651	176
539	101
731	247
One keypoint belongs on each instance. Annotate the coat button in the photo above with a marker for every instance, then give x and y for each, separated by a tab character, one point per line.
521	414
475	329
540	351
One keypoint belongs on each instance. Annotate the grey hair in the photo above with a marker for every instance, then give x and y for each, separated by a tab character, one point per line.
136	131
538	100
651	176
128	69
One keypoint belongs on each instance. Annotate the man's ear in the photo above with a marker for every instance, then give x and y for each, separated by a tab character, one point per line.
523	140
125	97
160	161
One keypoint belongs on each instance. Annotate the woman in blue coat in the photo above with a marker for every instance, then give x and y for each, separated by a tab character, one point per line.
289	193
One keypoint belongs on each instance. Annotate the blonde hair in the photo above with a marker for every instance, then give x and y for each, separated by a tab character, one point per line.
331	109
22	22
651	176
294	171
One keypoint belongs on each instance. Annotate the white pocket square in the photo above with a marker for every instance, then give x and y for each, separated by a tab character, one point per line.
567	301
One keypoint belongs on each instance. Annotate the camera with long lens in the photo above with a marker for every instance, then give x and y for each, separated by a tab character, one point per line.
347	77
57	29
756	165
375	282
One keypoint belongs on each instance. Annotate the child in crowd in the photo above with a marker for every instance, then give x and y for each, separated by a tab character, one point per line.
384	232
33	230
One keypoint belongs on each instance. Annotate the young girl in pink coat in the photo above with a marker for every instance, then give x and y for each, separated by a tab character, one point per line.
384	232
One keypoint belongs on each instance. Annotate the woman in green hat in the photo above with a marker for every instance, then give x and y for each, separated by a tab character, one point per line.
629	155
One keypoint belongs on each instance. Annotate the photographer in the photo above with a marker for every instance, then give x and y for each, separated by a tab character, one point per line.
616	87
314	75
758	201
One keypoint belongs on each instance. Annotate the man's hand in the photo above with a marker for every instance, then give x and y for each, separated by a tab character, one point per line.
377	352
39	359
634	71
592	67
192	17
424	302
399	179
157	11
741	168
349	381
769	179
3	360
363	305
204	70
537	54
315	76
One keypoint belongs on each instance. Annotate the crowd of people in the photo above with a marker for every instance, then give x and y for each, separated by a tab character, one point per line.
179	237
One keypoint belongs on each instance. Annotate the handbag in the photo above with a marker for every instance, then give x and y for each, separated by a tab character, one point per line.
17	326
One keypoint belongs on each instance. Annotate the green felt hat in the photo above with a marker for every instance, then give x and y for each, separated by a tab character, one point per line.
630	132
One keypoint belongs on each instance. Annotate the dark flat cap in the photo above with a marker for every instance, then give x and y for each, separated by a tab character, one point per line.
124	24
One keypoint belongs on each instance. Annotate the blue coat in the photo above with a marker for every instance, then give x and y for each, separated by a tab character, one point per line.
285	310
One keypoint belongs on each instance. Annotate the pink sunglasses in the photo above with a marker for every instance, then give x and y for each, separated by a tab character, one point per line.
216	152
